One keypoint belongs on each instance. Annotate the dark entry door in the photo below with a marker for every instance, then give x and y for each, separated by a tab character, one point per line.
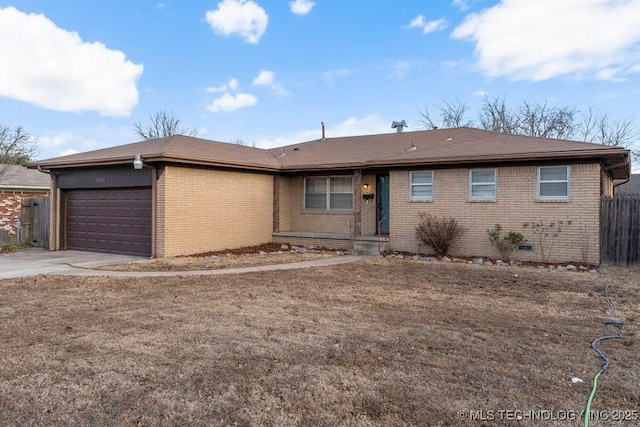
109	220
383	204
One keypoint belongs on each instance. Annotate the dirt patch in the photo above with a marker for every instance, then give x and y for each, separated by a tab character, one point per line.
378	342
215	262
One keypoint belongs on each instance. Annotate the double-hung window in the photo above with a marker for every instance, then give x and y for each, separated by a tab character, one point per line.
553	182
328	193
421	183
482	184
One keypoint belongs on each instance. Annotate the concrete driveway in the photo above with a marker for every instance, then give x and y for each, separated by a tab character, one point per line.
33	261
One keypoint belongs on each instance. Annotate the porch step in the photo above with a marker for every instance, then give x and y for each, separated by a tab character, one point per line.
370	247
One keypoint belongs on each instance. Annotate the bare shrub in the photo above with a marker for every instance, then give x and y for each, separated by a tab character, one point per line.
546	235
439	233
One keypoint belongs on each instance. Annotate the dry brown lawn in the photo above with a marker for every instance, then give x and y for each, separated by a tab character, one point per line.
216	262
372	343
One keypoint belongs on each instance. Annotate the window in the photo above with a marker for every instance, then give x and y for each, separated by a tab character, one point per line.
333	193
421	184
482	184
553	182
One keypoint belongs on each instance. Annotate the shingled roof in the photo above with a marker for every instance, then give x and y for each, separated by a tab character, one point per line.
18	177
432	147
178	148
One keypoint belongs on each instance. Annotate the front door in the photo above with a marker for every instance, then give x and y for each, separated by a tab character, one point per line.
383	204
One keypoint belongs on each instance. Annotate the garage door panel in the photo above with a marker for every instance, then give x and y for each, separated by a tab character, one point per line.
109	220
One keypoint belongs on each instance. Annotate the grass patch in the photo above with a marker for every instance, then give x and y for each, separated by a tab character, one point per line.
378	342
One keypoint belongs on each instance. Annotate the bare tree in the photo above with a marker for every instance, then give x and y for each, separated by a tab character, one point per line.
497	117
546	122
598	127
17	147
239	141
162	124
453	114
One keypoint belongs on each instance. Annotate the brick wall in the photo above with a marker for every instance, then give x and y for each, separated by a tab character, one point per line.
10	204
202	210
607	184
293	217
516	203
344	244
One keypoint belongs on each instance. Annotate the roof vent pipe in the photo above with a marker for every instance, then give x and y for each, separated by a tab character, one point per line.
322	124
398	126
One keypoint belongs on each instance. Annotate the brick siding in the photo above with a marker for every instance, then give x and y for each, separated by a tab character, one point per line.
293	216
208	210
516	203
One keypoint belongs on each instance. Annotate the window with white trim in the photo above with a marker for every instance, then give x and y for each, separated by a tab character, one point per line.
421	185
553	182
328	193
482	184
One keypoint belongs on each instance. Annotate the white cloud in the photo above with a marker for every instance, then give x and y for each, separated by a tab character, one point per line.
539	40
55	69
427	27
61	138
228	102
242	17
231	85
332	75
398	69
369	125
461	4
301	7
265	78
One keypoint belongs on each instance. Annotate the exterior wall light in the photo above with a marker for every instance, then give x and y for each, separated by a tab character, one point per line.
137	162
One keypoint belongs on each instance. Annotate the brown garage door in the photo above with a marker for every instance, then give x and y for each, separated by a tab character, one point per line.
109	220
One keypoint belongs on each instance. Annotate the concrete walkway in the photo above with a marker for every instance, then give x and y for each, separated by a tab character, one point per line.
34	261
289	266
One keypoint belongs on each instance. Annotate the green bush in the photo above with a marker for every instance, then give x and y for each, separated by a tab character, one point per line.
507	244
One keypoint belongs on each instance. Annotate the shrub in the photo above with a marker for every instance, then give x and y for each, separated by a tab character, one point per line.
439	233
507	244
546	235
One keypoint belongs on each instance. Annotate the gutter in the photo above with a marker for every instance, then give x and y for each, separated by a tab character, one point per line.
120	161
616	166
23	187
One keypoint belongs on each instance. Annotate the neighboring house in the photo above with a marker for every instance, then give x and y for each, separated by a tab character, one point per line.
631	187
17	183
194	195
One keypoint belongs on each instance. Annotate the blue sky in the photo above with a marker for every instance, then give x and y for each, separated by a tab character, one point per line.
78	74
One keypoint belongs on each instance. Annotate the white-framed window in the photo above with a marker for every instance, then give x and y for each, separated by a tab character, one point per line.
328	193
421	185
482	184
553	182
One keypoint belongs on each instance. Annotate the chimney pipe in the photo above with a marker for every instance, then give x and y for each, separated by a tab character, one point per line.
398	126
322	123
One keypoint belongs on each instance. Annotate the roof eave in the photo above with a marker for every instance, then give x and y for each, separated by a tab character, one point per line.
117	161
24	187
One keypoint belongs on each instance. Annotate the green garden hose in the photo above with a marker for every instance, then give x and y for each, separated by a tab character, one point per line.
616	335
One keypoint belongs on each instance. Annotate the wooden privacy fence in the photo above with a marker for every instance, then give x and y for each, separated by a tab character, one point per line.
620	230
34	221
